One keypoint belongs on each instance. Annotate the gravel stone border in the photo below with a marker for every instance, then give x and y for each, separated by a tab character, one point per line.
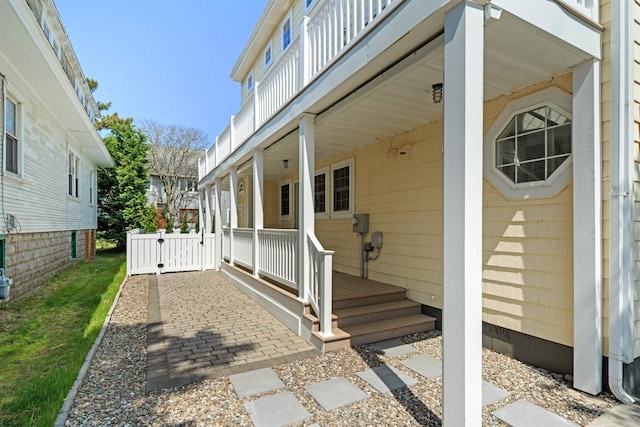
114	390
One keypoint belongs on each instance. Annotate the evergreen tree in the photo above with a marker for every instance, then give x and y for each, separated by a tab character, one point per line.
121	190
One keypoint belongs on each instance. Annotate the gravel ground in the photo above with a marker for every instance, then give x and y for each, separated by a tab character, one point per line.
114	390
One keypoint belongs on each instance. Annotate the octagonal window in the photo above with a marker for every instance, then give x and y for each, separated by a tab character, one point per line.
533	145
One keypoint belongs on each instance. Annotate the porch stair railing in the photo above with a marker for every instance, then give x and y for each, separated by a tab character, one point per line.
320	283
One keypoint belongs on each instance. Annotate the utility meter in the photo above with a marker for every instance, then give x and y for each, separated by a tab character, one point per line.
360	223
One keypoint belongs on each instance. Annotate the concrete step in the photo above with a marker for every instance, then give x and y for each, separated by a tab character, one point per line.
374	331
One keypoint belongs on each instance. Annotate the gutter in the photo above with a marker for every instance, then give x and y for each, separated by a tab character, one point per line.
621	276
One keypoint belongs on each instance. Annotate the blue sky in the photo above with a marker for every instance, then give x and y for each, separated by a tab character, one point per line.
166	60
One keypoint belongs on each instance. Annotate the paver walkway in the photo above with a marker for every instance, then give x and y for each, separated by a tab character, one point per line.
200	326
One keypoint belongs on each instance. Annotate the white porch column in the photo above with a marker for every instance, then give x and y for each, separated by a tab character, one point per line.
258	210
587	234
462	313
218	223
306	152
209	201
202	209
233	215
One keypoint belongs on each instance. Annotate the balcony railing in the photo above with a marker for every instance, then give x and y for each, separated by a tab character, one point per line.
332	27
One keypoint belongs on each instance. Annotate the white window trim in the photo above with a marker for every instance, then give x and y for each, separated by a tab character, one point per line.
76	177
308	8
339	165
19	136
561	102
289	17
327	192
282	184
264	55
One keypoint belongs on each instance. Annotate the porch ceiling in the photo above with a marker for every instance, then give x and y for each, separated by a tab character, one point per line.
517	55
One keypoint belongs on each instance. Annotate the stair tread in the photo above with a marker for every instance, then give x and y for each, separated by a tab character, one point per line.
372	294
378	326
382	325
373	308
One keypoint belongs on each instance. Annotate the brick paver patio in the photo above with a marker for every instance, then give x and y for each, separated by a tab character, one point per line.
201	326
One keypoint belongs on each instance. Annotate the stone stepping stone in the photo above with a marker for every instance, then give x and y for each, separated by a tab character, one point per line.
278	410
335	393
386	378
393	347
525	414
492	394
254	382
425	365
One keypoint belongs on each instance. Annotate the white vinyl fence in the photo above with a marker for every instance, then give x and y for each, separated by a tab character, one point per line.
160	252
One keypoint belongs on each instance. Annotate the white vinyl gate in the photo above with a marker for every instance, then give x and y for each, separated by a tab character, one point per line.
159	252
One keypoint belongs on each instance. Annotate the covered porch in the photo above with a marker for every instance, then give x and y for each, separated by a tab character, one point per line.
367	109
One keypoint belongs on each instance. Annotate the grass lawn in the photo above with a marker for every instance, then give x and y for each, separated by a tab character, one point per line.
45	337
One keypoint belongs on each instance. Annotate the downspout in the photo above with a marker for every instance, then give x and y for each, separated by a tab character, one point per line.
621	316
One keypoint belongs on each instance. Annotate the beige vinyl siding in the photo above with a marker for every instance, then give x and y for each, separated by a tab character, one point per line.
271	200
39	197
636	139
528	252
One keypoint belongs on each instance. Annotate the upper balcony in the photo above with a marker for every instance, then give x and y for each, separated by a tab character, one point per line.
328	33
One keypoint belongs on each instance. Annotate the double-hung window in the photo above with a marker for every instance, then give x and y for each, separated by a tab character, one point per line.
267	56
286	33
74	175
285	200
342	185
11	146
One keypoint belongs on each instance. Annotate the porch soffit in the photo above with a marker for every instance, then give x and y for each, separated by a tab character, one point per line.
517	55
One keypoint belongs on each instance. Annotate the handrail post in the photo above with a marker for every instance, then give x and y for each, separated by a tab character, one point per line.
216	155
303	76
256	107
326	291
232	135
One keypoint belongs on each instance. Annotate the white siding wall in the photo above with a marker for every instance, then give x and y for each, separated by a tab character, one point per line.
39	197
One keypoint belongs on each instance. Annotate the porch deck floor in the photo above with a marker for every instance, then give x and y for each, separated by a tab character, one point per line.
346	286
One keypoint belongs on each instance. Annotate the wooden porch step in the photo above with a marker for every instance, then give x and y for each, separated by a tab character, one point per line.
375	331
379	297
375	312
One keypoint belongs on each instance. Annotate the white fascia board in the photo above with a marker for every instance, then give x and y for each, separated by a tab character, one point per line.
558	22
272	15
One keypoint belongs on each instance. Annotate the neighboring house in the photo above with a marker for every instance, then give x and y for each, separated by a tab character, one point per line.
50	147
181	175
493	143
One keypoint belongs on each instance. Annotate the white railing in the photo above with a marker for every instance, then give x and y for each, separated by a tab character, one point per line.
279	255
333	26
281	84
224	145
320	282
243	247
226	243
243	123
